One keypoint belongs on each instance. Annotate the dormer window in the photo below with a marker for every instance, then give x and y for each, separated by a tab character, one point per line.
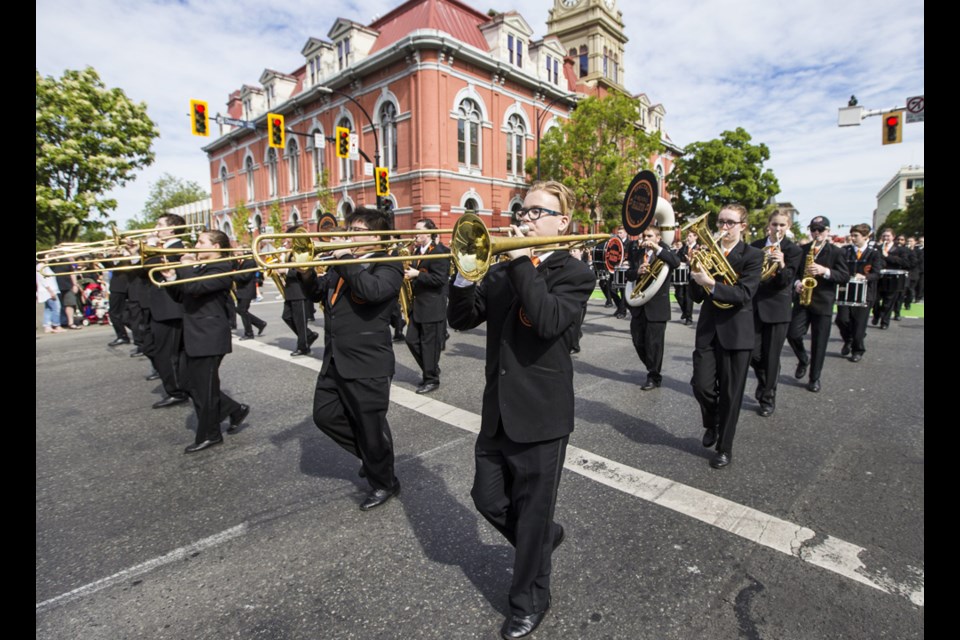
553	65
271	95
343	53
248	109
515	48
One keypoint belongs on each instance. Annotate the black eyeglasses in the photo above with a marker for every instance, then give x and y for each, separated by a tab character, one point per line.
534	213
818	229
357	229
728	223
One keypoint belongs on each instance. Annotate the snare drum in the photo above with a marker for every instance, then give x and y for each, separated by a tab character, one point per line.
852	294
893	281
620	277
681	275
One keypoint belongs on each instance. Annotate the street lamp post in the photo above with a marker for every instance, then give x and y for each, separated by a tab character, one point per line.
376	139
540	114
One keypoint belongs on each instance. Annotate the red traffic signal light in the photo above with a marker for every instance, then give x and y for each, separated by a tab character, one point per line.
892	127
343	142
275	130
383	181
199	118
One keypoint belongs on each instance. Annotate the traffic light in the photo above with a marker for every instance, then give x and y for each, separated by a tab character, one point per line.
383	181
343	142
199	118
893	127
275	131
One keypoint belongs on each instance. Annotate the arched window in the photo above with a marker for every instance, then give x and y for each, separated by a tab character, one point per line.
257	220
248	166
346	165
470	206
583	60
293	164
294	218
388	135
316	155
272	170
227	229
516	136
224	192
468	134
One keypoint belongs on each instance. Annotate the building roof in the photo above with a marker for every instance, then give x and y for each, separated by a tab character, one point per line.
449	16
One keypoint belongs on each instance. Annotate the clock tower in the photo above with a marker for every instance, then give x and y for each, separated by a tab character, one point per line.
592	33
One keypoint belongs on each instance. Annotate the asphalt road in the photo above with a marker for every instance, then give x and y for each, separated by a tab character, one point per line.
815	531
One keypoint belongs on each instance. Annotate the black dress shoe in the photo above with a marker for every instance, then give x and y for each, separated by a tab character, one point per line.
118	342
845	351
885	326
813	385
574	349
137	354
721	460
875	320
311	338
559	536
521	626
857	357
169	401
152	376
246	337
362	473
896	318
801	370
200	446
766	410
650	384
687	322
607	304
710	437
237	417
261	329
300	352
398	337
428	387
377	497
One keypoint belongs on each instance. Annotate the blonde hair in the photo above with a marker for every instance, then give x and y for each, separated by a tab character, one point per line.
560	191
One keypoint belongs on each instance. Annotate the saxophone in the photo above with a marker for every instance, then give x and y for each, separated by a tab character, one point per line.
809	282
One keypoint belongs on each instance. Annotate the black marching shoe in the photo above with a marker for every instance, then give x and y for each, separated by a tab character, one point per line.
118	342
261	329
137	353
378	496
801	370
650	384
857	357
238	416
813	385
710	437
522	626
398	337
721	460
845	351
766	410
875	320
169	401
300	352
206	444
247	336
311	338
428	387
152	376
896	318
558	536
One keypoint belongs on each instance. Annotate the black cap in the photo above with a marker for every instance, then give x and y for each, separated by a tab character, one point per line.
820	221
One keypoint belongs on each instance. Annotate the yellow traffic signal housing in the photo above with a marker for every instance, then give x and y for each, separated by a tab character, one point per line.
199	118
383	181
893	127
343	142
275	131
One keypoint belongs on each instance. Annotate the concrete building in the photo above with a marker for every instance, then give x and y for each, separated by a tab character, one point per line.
450	98
896	193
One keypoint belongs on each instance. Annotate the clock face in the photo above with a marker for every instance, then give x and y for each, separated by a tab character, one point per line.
569	3
609	3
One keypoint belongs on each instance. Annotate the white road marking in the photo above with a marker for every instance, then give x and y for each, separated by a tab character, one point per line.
149	565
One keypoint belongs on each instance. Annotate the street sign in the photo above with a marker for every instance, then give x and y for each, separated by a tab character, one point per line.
915	108
354	146
850	116
233	122
368	168
319	140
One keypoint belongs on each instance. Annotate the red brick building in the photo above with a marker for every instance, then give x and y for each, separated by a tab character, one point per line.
455	99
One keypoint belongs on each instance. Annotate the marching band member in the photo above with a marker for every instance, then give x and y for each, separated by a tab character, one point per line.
771	310
824	262
246	292
618	293
295	301
864	264
683	290
648	324
725	336
428	315
894	257
352	395
531	305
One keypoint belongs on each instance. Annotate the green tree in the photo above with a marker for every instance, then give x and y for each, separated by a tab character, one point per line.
165	194
596	153
240	221
909	221
325	200
713	173
90	139
275	217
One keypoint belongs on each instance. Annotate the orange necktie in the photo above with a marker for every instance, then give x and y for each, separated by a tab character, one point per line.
535	260
336	292
859	253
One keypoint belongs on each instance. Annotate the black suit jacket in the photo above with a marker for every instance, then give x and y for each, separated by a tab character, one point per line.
734	326
246	282
206	326
162	306
356	325
293	284
868	264
430	287
772	302
531	315
825	293
657	309
897	258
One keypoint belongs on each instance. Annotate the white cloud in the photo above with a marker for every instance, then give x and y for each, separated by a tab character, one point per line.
780	70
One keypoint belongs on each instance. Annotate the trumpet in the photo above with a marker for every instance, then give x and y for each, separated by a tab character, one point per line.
770	265
710	259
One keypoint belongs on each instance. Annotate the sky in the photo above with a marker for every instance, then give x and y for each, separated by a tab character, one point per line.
778	69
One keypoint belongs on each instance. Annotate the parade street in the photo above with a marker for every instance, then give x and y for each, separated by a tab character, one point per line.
816	529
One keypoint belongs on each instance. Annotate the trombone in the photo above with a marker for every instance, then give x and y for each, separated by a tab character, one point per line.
78	249
472	248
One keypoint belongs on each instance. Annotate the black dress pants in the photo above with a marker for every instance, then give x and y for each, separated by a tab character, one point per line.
425	340
249	320
213	406
117	309
852	322
767	347
295	315
165	353
684	300
515	489
819	326
353	412
719	378
648	342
